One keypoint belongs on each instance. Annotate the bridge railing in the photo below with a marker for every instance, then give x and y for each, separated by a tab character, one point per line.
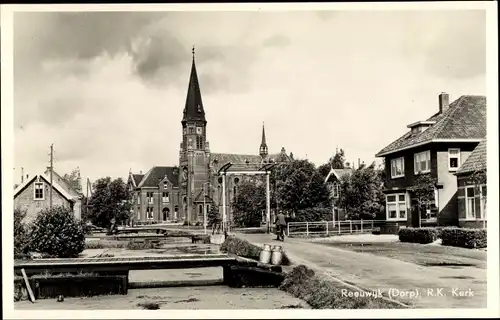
333	227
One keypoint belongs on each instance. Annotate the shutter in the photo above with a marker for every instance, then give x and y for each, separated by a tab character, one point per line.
477	205
461	208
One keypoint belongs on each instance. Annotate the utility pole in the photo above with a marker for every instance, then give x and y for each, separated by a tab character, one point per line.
204	209
51	170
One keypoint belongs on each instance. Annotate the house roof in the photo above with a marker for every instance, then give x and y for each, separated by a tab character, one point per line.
464	120
193	110
136	178
476	160
62	182
46	179
337	173
156	174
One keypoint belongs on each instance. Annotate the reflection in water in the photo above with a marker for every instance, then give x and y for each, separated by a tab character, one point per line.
187	249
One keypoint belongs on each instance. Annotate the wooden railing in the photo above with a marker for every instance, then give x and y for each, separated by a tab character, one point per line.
333	227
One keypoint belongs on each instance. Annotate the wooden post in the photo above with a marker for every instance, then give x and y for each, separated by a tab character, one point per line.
326	227
268	203
307	228
288	229
51	170
223	202
372	225
26	281
361	225
350	225
339	227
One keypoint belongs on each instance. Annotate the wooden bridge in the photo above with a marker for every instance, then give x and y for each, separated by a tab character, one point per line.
122	265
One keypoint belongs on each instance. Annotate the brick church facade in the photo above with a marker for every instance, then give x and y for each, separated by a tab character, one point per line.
183	192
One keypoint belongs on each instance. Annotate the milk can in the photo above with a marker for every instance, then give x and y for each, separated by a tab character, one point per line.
265	254
276	256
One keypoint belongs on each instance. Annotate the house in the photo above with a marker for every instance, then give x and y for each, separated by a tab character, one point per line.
471	181
333	180
437	147
33	195
186	191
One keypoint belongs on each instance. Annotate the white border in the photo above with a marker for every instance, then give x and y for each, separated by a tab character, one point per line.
7	162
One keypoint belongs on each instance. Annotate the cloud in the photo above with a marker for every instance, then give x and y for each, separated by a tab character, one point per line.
277	41
458	49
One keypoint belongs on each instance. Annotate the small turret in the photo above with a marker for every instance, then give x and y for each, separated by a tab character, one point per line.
263	151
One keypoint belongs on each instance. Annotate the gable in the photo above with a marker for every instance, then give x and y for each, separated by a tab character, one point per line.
56	187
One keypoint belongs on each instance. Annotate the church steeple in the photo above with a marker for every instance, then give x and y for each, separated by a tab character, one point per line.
193	111
263	145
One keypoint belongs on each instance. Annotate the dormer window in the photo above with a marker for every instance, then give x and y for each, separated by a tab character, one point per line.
453	159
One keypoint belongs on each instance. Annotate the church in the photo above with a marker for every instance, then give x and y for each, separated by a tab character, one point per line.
162	194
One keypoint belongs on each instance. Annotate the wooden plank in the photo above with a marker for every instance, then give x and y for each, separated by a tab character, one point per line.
26	281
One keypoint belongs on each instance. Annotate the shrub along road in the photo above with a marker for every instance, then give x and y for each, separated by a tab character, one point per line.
419	286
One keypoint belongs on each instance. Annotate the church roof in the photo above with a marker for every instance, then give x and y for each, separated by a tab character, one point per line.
263	142
137	178
156	174
193	110
217	160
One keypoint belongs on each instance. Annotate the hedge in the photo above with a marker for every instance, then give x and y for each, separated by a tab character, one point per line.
464	237
418	235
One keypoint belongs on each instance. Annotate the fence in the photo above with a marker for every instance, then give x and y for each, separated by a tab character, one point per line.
333	227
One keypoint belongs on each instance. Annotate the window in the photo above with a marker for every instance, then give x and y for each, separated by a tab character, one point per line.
422	162
149	213
397	167
453	159
336	190
199	130
165	184
165	197
200	209
396	206
191	130
199	142
39	191
149	195
472	203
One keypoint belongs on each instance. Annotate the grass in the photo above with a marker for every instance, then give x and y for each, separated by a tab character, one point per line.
105	244
304	284
149	305
47	275
425	255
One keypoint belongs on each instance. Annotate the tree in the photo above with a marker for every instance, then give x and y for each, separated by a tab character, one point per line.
20	233
338	160
360	193
111	199
422	192
56	232
73	179
299	185
249	202
324	169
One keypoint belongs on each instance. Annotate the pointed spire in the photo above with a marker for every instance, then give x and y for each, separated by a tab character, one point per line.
263	145
193	110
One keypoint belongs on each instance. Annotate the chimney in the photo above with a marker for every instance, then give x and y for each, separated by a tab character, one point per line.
22	174
27	176
140	172
444	102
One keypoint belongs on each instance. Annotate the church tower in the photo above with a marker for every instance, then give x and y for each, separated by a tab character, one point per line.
194	150
263	152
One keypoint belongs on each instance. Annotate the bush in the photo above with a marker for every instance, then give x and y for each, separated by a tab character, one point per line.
145	245
20	234
56	232
313	214
418	235
319	293
465	238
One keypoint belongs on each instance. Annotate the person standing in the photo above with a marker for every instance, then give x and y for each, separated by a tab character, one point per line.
280	226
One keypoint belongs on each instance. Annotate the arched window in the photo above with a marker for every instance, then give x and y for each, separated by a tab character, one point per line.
166	214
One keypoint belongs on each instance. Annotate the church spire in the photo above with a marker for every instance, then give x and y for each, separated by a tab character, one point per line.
193	110
263	145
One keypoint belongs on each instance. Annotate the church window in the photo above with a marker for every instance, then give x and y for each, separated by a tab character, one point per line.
199	130
199	142
191	130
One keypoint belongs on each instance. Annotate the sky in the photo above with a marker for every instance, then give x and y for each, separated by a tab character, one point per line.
108	88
